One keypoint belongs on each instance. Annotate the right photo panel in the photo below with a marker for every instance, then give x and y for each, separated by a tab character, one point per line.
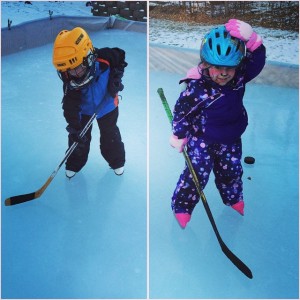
223	149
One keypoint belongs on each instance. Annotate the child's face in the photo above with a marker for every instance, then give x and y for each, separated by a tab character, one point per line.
221	75
78	71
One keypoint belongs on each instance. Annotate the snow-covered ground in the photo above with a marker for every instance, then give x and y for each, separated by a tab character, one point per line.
19	12
282	45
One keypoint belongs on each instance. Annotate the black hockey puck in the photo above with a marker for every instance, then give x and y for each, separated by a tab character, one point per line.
249	160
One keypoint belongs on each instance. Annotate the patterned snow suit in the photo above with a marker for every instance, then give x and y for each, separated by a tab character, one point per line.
79	105
213	118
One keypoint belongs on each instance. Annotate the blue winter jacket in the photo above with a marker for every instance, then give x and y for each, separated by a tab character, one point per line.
96	95
87	101
216	113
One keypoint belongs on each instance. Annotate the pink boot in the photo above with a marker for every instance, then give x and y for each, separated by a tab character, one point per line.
183	219
239	207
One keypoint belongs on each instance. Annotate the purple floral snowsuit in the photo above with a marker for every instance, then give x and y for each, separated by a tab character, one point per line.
213	118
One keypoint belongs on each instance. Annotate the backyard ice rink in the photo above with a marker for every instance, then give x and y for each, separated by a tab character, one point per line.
87	237
189	263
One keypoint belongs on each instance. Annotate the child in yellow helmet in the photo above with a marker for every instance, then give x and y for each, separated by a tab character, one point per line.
91	79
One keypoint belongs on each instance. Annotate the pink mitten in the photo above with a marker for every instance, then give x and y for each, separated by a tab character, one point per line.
177	143
254	42
239	29
244	32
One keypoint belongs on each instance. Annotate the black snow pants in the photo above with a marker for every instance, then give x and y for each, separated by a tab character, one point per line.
111	145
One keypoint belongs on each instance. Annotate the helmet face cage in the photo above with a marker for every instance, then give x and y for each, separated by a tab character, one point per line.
74	57
219	48
82	75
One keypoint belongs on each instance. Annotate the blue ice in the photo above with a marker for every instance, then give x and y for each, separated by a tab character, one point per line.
189	263
85	237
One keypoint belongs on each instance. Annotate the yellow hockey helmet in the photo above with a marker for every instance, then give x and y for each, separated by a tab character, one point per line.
70	48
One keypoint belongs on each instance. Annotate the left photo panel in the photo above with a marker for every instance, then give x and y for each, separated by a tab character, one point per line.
74	149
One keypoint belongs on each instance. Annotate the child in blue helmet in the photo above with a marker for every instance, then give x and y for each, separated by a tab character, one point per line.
210	118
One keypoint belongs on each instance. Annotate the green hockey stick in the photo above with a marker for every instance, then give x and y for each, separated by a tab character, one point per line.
234	259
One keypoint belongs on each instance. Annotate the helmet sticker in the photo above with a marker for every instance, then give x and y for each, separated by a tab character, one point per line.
79	39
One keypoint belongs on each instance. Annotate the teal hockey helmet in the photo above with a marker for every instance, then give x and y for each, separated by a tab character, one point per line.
219	48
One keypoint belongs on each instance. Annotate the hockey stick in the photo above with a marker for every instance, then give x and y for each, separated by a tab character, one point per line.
31	196
234	259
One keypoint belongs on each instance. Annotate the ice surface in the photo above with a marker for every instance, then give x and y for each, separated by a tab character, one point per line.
85	237
189	263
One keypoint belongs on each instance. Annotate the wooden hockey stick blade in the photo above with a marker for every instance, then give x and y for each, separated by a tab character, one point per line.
19	199
28	197
31	196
